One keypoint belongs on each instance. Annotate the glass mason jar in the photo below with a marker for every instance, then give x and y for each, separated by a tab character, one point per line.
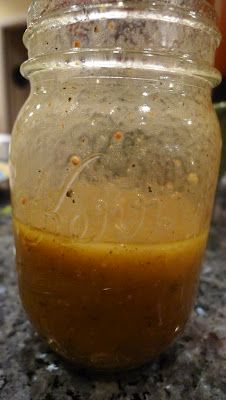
114	164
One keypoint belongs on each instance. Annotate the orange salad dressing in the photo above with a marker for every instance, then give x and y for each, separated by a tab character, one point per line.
107	305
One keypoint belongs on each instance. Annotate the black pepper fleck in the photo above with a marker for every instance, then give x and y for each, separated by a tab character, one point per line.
69	193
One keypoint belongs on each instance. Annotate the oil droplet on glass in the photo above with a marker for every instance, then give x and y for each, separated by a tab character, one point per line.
192	178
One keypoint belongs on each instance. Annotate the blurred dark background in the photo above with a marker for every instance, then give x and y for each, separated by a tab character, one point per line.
13	88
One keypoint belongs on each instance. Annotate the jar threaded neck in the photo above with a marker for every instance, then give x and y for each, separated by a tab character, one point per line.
171	35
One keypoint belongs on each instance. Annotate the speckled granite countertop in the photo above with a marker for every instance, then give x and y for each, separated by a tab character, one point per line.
194	368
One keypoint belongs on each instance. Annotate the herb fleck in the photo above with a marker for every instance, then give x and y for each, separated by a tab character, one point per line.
149	189
69	193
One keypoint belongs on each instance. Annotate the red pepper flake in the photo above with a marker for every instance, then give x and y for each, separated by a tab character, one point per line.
118	135
77	43
75	160
23	200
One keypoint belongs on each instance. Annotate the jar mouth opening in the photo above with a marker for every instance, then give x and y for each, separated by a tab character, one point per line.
121	63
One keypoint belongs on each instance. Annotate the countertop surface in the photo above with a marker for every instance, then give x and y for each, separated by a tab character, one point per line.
194	368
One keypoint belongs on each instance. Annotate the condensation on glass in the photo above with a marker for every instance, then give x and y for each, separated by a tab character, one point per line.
114	164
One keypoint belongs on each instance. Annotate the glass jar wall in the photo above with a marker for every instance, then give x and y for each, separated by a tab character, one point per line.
114	165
